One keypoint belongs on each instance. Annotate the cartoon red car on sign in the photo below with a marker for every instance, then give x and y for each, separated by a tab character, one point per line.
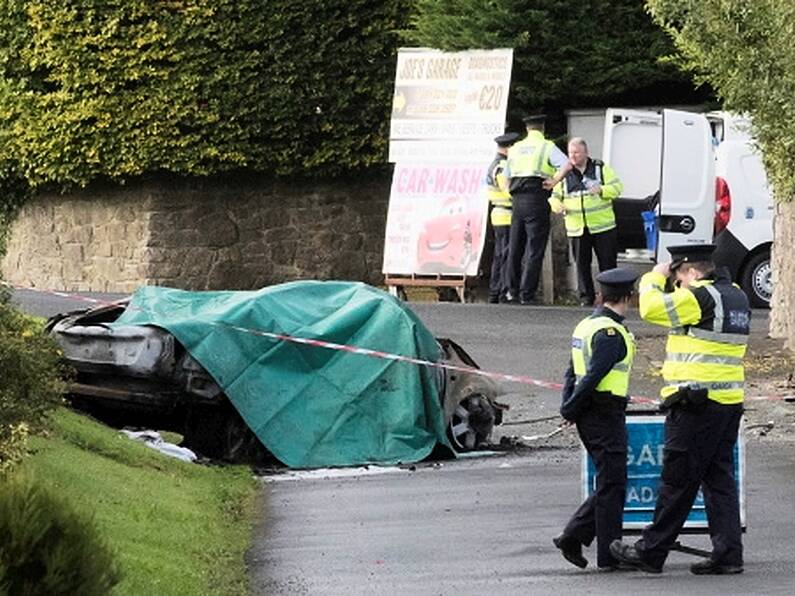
449	242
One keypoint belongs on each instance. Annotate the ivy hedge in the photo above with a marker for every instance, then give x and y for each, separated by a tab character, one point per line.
112	89
115	89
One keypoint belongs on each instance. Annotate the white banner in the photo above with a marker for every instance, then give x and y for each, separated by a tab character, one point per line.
446	111
450	95
436	221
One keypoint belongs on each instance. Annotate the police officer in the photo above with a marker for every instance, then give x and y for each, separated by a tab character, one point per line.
500	199
595	398
534	166
586	197
703	394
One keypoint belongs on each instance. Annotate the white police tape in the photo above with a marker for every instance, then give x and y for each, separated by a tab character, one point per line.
318	343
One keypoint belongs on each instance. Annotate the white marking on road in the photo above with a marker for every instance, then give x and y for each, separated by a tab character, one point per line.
333	473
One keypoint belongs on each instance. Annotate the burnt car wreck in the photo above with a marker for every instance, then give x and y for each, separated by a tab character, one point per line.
142	375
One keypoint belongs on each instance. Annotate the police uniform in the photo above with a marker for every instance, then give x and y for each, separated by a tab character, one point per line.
595	397
500	199
703	393
590	220
530	161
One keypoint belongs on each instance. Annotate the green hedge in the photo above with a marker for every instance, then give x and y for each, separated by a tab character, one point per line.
31	384
111	89
566	54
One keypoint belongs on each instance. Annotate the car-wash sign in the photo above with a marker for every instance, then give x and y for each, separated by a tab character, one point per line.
448	106
447	109
646	436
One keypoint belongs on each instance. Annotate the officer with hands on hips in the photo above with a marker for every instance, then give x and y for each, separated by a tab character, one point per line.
709	322
595	399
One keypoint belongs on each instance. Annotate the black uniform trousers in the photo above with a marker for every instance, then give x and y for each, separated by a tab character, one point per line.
603	432
529	236
699	451
605	245
498	283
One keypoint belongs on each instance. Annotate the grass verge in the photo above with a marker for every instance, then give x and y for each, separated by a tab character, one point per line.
176	528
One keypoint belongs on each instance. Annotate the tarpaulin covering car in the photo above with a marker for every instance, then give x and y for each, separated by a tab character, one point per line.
308	405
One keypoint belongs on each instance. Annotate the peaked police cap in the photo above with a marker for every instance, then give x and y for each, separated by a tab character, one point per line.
690	253
617	281
506	140
534	118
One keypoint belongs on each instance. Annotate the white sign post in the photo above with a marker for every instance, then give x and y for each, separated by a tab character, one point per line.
447	109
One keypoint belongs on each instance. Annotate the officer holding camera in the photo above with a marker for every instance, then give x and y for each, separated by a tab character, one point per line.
703	394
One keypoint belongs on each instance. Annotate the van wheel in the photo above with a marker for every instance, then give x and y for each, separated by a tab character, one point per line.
756	279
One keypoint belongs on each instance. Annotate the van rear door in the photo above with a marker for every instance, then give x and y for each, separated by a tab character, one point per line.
687	182
631	145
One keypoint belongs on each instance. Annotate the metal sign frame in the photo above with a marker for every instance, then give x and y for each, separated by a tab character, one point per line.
644	464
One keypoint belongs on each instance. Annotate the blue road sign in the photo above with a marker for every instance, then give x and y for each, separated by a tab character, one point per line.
644	464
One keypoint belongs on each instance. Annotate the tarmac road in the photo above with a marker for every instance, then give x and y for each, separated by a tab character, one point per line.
484	525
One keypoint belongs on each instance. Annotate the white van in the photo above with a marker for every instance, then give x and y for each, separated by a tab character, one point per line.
712	188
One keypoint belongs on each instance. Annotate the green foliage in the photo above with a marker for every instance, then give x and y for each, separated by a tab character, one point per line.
110	89
32	383
565	54
175	528
47	547
743	50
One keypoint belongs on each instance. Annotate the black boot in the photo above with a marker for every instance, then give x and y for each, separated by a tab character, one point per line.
571	550
710	567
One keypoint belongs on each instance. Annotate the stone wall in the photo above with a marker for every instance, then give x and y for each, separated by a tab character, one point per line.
782	320
95	241
199	235
220	234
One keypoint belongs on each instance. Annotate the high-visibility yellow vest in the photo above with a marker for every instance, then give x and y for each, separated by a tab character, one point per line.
617	380
583	208
701	352
530	157
497	192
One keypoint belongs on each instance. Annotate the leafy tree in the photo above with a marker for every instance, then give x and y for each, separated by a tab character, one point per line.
565	54
743	50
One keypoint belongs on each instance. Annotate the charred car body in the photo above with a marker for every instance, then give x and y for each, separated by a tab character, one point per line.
142	375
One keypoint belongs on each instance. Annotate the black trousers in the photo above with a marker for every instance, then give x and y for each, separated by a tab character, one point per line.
699	451
603	432
529	236
498	283
605	245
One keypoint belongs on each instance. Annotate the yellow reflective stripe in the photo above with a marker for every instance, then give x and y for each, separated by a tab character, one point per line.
673	371
717	323
601	228
688	344
726	338
670	310
596	208
706	358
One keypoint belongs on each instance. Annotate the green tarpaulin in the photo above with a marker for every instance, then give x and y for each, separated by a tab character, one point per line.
311	406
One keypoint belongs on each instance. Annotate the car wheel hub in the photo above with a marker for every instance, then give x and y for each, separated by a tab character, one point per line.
472	422
763	281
